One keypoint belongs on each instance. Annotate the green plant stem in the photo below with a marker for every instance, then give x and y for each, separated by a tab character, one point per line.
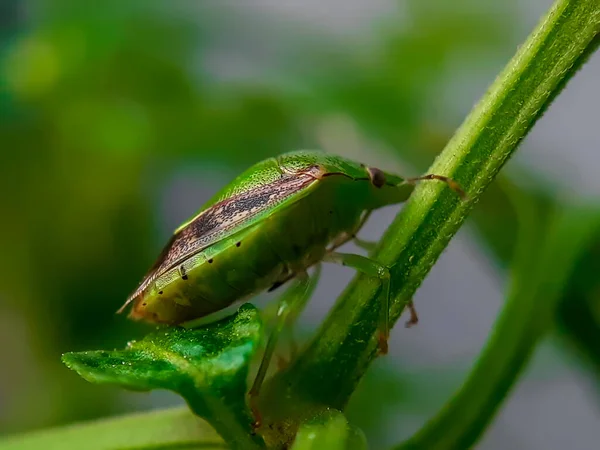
331	366
496	222
546	257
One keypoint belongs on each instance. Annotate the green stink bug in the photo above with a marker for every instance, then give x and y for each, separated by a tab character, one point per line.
276	220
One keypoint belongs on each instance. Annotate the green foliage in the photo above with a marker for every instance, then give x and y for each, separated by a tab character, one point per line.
102	107
207	366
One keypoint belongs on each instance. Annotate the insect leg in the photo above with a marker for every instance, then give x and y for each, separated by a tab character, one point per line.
297	310
370	246
290	305
377	270
449	181
366	245
351	236
414	317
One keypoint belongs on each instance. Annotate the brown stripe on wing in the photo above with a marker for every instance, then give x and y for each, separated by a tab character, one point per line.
219	221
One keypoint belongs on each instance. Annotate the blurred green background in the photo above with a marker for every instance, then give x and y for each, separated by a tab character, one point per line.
118	119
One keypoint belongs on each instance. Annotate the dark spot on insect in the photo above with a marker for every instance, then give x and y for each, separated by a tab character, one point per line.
238	244
377	176
144	304
160	292
183	273
210	261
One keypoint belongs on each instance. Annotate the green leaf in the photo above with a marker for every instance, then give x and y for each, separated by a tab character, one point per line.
329	430
330	367
207	366
167	429
543	265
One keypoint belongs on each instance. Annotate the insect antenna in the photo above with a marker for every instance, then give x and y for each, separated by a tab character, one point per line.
449	181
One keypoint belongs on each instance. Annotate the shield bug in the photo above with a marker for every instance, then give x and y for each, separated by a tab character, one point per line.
269	226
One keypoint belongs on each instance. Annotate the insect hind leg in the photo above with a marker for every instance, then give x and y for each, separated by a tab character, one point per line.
291	304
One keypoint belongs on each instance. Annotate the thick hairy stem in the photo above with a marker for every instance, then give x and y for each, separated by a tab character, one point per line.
328	370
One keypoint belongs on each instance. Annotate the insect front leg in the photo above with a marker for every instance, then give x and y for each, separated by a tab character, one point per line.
449	181
291	304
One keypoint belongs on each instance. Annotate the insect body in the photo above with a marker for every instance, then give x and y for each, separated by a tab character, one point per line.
272	223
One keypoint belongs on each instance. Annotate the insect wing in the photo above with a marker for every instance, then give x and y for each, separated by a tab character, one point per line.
224	219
